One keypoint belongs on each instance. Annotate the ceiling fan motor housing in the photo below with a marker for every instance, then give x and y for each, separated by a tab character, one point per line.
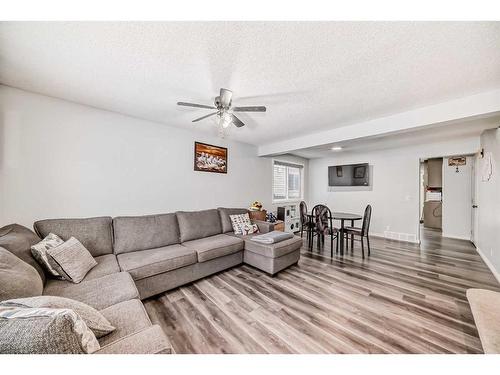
224	99
220	105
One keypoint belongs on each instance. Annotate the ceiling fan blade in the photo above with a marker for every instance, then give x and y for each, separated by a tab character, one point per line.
237	122
226	97
204	117
196	105
250	109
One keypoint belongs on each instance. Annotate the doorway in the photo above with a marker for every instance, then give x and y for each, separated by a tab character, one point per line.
431	187
447	204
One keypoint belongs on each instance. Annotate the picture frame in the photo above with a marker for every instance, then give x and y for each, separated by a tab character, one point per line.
209	158
456	161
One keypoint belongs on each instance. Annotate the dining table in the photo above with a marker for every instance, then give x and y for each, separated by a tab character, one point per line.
340	216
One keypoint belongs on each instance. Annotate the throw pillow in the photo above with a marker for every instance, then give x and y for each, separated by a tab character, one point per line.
44	331
95	321
39	252
242	224
17	278
71	260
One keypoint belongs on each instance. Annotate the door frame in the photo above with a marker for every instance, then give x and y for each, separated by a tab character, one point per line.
473	190
473	193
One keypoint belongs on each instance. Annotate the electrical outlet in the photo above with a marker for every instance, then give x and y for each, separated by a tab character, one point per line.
491	252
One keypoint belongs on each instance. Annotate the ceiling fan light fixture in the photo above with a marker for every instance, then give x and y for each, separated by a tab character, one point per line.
225	120
336	148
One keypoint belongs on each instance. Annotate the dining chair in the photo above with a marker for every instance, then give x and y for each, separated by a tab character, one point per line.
362	232
324	226
304	220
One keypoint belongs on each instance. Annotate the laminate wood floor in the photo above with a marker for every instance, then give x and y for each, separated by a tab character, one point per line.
402	299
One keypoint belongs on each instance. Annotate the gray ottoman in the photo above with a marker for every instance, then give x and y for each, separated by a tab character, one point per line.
274	257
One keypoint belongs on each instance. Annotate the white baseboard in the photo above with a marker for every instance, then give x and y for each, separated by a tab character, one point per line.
455	237
402	238
489	264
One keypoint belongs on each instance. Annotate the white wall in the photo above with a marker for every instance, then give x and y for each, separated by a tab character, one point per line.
457	203
488	201
394	191
60	159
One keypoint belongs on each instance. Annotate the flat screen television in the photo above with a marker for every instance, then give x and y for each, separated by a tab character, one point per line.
349	175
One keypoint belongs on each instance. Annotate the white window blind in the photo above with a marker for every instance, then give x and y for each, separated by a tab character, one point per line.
287	181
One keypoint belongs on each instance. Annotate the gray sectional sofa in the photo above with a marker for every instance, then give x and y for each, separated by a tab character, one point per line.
105	287
141	256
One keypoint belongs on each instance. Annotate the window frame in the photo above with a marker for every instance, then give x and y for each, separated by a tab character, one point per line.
287	164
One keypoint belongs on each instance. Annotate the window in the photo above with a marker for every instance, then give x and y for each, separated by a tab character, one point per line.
287	181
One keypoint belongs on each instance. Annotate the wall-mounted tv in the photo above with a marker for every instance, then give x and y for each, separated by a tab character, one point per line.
349	175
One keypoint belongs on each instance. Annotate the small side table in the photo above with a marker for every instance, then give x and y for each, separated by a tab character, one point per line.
257	215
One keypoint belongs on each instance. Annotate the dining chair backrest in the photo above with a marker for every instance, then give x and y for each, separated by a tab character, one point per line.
322	216
303	212
366	220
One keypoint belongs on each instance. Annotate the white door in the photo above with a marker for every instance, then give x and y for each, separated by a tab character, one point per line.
457	201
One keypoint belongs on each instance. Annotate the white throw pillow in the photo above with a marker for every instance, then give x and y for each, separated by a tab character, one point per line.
71	260
39	252
242	224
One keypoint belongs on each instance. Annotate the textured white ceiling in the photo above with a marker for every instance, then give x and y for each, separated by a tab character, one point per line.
452	130
312	76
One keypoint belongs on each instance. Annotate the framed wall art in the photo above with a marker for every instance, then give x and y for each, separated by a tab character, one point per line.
210	158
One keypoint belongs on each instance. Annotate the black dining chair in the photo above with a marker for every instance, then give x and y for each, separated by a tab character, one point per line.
362	232
305	223
323	226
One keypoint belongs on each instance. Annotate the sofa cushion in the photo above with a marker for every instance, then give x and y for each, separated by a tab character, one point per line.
94	233
94	320
98	293
215	246
106	265
151	340
18	240
128	317
198	224
145	263
71	260
17	278
133	233
274	250
224	213
44	331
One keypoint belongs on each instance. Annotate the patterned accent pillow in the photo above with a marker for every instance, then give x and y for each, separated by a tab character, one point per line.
71	260
39	252
44	331
242	224
94	320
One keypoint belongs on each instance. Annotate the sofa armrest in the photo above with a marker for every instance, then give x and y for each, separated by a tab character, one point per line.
151	340
264	226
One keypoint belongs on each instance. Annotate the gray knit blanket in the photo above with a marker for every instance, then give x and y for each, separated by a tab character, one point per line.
272	237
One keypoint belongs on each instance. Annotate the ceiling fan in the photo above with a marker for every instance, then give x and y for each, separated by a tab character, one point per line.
224	110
